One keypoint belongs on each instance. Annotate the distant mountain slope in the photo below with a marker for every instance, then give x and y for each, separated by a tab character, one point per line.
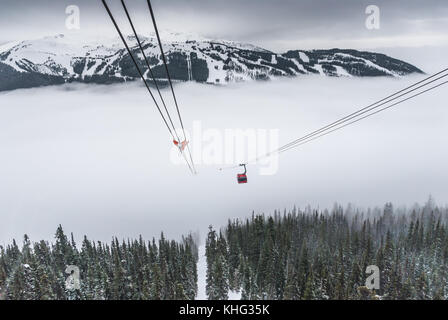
59	59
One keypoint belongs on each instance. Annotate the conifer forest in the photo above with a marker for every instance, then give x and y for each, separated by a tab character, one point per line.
305	254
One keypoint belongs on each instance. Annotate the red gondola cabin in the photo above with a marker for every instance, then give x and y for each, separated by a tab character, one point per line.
242	177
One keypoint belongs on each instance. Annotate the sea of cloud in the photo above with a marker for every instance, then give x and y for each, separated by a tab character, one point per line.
97	159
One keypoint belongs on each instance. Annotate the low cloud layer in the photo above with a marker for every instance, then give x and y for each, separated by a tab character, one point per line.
96	158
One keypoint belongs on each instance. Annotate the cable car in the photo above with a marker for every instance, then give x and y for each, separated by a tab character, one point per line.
242	177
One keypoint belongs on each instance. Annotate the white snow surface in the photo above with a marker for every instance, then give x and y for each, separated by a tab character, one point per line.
202	274
304	57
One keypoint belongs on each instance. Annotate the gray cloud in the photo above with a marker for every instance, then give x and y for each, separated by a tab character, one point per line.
274	24
96	158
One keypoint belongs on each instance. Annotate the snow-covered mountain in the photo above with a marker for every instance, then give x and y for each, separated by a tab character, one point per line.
61	58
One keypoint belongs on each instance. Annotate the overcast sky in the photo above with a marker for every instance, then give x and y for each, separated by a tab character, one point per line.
273	24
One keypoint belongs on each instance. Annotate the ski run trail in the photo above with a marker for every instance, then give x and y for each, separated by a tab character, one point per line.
202	278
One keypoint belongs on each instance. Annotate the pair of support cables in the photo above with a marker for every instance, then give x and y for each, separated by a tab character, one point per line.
182	144
419	88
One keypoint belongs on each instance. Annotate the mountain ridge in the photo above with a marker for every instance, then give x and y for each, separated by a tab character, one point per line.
59	59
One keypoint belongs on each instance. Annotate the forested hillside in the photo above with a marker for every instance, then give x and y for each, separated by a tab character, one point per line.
323	255
128	270
65	58
301	254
